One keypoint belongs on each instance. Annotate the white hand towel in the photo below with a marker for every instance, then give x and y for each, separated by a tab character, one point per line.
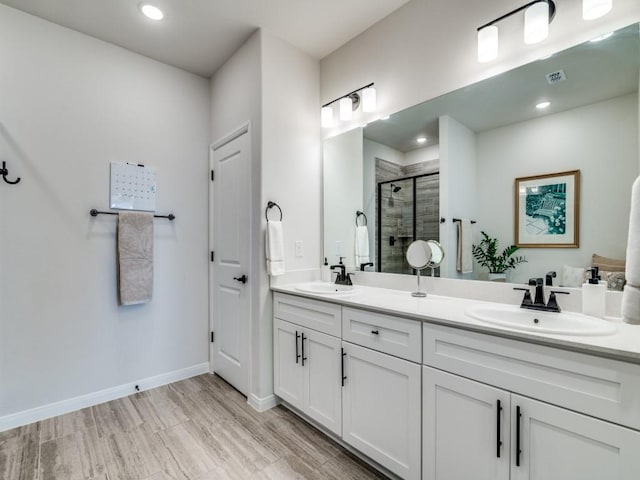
464	260
135	257
631	293
362	245
275	248
631	305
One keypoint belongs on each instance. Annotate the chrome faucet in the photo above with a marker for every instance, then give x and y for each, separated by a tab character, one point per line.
538	303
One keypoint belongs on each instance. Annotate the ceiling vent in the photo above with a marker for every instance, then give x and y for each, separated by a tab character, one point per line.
555	77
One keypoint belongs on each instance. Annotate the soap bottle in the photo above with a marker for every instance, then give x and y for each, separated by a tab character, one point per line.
326	273
594	295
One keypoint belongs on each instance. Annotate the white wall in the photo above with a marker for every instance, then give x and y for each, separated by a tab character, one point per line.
583	139
70	104
343	195
420	155
457	187
428	48
291	173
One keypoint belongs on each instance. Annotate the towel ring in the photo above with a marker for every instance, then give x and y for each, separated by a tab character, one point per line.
358	214
270	205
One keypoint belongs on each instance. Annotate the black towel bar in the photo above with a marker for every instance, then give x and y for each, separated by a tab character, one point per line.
94	213
358	214
270	205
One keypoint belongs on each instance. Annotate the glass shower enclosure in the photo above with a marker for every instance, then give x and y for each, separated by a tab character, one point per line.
408	209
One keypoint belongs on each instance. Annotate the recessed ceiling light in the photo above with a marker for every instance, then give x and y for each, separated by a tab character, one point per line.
543	105
601	37
151	11
421	139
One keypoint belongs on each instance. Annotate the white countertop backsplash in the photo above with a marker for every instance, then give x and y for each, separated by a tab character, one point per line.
447	300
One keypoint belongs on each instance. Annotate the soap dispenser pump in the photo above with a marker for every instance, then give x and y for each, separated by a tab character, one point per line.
326	272
594	295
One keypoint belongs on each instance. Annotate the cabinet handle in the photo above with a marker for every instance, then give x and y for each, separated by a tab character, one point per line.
344	377
297	354
375	332
303	357
499	441
518	451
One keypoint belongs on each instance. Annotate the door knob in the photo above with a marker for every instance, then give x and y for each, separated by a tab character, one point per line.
242	279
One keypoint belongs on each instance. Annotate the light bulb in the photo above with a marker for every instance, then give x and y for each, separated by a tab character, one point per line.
536	23
369	99
592	9
488	44
346	109
326	117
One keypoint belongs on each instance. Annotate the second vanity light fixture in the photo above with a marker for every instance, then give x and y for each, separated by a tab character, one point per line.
537	17
348	103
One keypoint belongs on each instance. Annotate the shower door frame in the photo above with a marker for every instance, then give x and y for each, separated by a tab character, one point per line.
414	179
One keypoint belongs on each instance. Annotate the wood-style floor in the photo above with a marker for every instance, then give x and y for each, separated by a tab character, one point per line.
196	429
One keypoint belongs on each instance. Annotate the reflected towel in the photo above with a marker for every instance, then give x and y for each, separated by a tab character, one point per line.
362	245
275	248
135	257
464	260
631	293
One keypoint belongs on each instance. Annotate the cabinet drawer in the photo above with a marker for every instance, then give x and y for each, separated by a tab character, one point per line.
600	387
396	336
318	315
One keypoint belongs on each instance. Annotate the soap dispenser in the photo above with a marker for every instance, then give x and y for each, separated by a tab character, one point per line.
594	295
326	272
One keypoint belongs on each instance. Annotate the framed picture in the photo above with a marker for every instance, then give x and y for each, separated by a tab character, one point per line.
548	210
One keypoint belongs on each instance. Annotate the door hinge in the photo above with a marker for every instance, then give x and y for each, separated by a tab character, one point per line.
213	176
213	256
212	337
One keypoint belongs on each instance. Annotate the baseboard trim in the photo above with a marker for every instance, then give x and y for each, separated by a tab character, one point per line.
262	404
72	404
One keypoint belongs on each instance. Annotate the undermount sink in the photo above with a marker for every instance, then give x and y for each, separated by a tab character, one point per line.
327	288
564	323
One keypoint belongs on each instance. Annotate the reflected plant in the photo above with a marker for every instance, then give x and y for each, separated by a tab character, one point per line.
486	253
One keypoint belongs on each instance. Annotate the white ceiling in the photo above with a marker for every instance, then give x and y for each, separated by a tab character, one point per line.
594	71
200	35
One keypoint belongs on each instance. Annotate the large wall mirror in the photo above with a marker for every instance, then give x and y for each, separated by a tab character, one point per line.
458	157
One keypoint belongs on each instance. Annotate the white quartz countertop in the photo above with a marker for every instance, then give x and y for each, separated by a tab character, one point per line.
624	345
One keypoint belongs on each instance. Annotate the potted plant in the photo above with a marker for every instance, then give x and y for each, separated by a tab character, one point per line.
486	253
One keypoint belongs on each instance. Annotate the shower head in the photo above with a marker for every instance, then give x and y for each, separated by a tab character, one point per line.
395	188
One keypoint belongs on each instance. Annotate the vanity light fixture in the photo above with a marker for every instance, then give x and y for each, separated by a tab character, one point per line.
151	11
543	105
348	103
592	9
537	17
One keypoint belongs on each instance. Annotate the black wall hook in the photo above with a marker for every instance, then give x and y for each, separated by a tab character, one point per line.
4	172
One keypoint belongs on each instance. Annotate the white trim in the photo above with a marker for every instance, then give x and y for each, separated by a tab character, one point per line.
72	404
230	137
262	404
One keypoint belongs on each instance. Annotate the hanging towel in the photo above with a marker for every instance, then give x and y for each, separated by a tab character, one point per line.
275	248
362	245
135	257
464	260
631	293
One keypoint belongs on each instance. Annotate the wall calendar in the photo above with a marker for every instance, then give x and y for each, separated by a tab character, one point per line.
133	187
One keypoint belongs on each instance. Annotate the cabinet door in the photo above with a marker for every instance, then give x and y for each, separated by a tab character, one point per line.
323	379
557	444
465	433
381	409
287	372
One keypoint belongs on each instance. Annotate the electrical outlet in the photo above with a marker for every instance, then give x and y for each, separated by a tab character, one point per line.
298	245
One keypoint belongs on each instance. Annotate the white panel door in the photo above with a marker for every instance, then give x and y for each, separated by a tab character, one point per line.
465	430
230	200
288	374
557	444
323	379
381	414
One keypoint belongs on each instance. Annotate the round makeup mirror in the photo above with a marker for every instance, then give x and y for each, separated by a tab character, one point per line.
419	256
437	254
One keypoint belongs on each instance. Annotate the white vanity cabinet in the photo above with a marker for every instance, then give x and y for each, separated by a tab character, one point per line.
462	423
308	363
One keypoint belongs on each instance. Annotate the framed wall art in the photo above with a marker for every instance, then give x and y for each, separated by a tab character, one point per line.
547	210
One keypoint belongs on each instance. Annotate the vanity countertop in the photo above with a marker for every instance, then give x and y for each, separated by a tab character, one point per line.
624	345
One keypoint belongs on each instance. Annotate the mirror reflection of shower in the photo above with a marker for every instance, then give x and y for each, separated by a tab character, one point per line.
409	210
